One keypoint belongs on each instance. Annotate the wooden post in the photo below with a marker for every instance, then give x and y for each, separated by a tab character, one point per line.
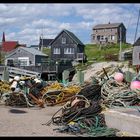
80	77
5	75
65	75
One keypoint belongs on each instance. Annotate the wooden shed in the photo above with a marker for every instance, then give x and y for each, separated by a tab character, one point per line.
136	53
24	56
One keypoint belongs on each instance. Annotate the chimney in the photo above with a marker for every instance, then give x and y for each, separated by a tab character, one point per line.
109	22
3	37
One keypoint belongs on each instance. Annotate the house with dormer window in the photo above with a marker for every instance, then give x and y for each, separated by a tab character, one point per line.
66	46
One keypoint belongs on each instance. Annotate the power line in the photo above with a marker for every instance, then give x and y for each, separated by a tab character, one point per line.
137	27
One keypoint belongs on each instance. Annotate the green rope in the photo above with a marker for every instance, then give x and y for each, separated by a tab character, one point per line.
97	121
103	131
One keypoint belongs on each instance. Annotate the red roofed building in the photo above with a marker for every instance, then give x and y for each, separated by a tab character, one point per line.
8	46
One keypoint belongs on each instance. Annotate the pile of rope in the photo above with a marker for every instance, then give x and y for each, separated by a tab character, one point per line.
4	87
16	99
114	94
82	114
52	93
56	93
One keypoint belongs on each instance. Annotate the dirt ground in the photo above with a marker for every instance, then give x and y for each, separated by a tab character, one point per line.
16	121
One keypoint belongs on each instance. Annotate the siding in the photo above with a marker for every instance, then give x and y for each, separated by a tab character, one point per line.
115	31
135	55
58	44
21	53
30	53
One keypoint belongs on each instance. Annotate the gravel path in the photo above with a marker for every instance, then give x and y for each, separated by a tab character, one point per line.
15	121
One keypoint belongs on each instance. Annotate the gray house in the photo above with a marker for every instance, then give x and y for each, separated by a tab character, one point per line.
108	33
136	52
24	56
66	46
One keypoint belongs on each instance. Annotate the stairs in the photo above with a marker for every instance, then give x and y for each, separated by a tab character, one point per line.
13	71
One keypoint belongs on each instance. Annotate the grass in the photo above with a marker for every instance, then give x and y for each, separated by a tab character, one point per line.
47	51
97	54
94	52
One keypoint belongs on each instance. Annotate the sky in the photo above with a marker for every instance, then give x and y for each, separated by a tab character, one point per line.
25	22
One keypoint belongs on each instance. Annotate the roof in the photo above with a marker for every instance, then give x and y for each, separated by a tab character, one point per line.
33	51
137	43
71	35
8	46
45	42
109	25
30	50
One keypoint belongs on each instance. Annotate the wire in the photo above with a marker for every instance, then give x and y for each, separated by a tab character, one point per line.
137	27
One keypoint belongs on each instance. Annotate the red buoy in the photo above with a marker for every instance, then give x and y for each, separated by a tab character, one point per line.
118	76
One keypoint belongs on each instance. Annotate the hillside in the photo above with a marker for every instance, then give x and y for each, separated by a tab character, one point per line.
95	52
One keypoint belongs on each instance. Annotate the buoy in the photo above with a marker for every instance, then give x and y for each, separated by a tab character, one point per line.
13	85
16	78
119	77
135	85
74	101
37	80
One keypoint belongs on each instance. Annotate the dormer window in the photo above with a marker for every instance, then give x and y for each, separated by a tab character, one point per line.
63	40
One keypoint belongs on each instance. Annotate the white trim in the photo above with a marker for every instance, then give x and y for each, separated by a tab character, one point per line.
63	40
23	60
56	50
68	50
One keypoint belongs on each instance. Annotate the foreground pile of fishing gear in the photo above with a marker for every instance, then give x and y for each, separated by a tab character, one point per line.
82	106
83	114
32	91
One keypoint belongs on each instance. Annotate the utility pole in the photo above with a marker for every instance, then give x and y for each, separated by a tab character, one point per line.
41	47
42	41
137	27
0	53
120	54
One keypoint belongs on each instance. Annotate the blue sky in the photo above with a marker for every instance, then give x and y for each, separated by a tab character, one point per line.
26	22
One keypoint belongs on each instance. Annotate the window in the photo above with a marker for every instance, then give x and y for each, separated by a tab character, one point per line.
98	37
56	51
112	37
68	50
23	61
10	62
102	37
63	40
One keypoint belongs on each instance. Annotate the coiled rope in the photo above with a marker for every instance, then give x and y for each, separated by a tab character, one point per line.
118	94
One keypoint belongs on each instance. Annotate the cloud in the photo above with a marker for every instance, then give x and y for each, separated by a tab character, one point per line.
26	22
7	21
